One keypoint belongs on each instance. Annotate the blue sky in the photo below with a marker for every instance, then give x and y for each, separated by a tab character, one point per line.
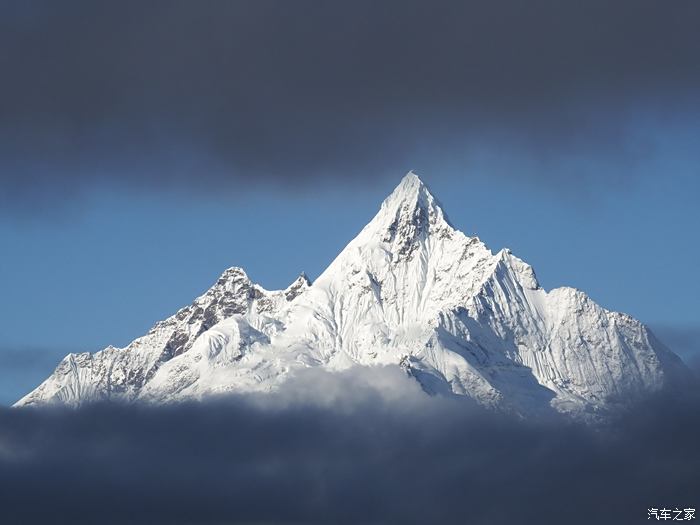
106	270
147	146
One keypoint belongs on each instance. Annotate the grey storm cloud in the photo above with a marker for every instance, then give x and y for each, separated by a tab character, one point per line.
374	451
183	94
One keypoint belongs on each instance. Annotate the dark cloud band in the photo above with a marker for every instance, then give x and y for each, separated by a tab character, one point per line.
183	93
363	457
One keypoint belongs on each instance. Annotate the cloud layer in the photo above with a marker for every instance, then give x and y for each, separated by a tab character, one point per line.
184	95
381	452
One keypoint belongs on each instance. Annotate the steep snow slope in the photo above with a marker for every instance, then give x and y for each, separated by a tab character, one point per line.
409	290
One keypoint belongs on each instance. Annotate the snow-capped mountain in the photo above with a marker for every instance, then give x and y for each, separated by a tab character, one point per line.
409	290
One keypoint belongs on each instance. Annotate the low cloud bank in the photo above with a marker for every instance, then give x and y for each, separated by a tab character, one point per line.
365	447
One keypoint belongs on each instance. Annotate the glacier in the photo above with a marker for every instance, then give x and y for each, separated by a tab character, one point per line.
410	291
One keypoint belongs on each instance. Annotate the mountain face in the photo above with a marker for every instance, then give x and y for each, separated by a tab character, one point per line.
409	290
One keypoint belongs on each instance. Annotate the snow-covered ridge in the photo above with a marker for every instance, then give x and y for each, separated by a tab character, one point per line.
409	290
122	372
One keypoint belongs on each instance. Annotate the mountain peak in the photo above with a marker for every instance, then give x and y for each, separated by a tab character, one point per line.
409	213
412	193
409	290
295	289
410	180
232	274
412	190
